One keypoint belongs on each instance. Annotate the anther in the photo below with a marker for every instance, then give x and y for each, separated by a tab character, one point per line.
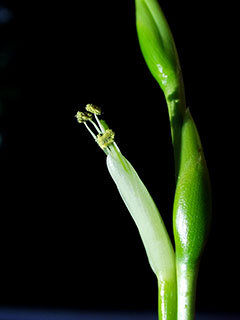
83	116
93	109
105	139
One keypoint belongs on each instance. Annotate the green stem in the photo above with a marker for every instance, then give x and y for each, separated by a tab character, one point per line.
167	300
187	281
176	104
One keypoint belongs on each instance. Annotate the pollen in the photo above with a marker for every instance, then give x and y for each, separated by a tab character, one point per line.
105	139
93	109
83	116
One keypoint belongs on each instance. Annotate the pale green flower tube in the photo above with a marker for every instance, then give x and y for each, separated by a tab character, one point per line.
151	229
144	213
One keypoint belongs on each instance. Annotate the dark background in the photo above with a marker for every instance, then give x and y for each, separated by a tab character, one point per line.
67	239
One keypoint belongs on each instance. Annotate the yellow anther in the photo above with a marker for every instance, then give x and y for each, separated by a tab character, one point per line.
105	139
83	116
93	109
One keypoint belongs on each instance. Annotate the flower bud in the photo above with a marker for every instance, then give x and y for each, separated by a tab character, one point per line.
157	45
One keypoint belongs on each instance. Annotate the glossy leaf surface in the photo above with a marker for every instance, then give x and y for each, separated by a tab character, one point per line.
192	204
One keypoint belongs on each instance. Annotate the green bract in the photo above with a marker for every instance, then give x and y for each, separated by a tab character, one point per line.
191	216
192	203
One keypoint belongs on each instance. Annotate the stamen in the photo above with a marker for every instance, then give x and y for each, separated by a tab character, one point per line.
95	126
105	139
93	109
93	135
99	123
96	111
82	117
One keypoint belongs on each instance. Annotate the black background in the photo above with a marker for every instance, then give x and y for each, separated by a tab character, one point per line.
67	239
